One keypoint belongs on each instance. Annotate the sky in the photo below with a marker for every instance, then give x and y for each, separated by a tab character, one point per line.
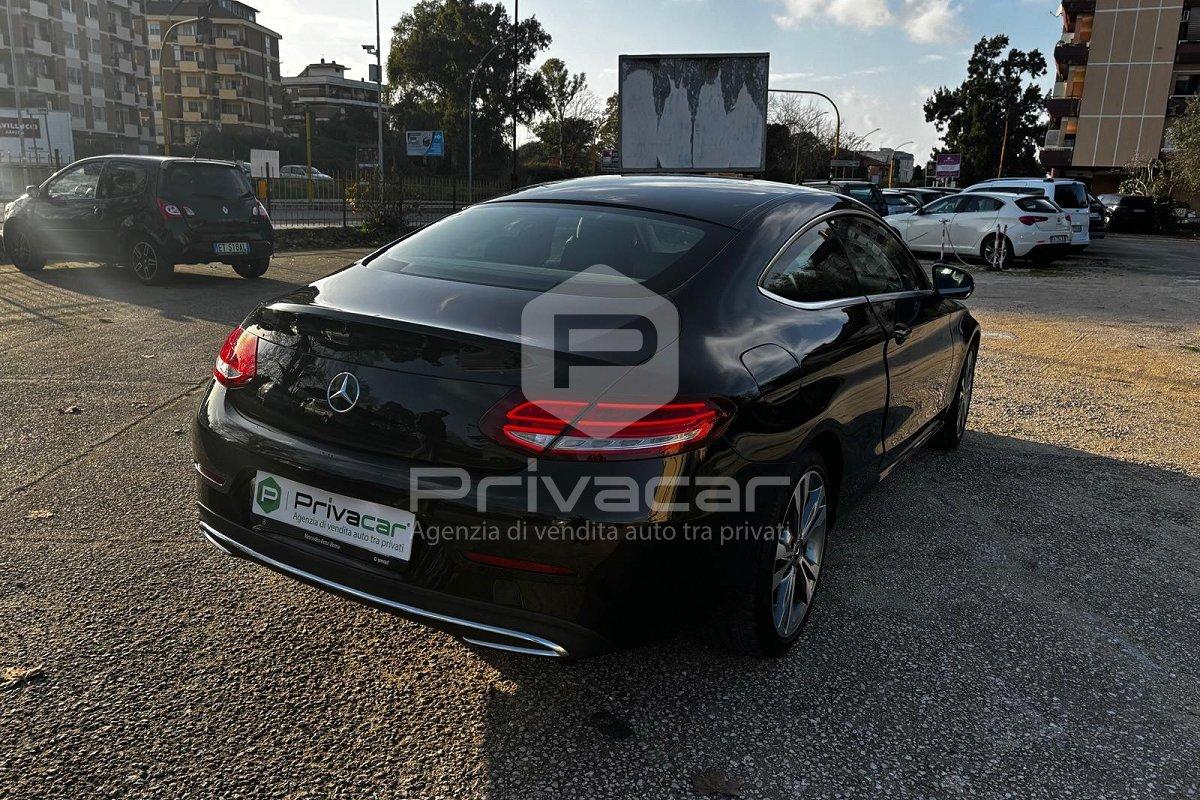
879	59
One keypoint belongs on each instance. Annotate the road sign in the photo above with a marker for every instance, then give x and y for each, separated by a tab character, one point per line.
949	165
843	162
424	143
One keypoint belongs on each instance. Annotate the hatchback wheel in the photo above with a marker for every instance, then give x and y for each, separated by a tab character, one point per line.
252	268
1003	259
954	426
148	262
22	252
767	619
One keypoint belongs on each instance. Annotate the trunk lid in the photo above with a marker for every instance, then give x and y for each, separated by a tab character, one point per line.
216	198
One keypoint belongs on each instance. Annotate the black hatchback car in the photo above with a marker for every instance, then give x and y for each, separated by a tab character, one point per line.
146	212
391	432
863	191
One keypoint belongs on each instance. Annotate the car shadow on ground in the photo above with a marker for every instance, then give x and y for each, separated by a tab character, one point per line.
214	292
1012	616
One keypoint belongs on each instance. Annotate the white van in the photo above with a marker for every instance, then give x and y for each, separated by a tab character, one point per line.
1068	194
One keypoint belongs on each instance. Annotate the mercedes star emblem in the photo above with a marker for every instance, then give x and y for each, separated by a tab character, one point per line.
342	394
224	209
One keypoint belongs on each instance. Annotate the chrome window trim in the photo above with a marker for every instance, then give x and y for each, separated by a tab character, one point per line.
840	302
540	646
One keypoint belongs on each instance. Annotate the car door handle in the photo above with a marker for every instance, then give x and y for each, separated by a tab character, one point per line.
97	212
901	332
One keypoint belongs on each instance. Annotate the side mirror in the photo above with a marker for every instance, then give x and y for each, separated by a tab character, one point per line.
952	282
32	191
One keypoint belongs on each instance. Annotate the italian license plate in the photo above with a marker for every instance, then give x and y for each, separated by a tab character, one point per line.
378	528
231	248
1059	239
1077	228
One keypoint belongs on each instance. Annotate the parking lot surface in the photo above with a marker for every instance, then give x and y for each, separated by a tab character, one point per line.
1018	618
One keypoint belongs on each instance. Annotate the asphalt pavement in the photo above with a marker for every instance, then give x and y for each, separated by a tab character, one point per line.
1016	619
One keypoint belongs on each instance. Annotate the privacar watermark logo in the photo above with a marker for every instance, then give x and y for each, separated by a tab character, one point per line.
268	495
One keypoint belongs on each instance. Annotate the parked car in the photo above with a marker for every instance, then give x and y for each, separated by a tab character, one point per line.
865	192
900	201
1069	195
1129	212
147	212
975	223
924	195
300	172
817	350
1097	225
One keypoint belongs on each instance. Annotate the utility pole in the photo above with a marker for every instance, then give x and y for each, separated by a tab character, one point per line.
308	148
516	68
379	107
1003	147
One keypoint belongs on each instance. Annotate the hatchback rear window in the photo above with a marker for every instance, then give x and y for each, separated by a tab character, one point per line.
205	180
1037	204
1070	195
539	245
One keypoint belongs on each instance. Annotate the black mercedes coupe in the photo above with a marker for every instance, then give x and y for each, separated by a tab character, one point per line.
393	432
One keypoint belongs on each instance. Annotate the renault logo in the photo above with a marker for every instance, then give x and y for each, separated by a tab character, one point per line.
224	209
342	394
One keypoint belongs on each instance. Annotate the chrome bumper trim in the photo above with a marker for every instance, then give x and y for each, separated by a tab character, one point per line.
540	646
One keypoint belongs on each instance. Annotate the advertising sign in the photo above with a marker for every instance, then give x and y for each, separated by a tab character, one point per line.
30	127
949	165
424	143
264	163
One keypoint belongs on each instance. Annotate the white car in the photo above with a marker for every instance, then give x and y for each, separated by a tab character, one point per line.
972	223
1067	193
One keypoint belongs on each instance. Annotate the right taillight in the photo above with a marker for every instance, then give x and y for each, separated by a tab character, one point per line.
237	363
603	431
168	209
1030	219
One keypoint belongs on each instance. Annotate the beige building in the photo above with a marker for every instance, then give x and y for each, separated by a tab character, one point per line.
224	74
85	57
325	91
1124	68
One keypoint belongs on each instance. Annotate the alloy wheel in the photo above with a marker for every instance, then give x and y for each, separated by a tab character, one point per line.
798	552
18	248
145	261
990	255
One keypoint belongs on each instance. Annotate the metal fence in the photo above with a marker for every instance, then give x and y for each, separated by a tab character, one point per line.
401	201
15	177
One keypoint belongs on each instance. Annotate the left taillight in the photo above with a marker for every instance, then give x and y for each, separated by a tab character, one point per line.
237	363
603	431
259	211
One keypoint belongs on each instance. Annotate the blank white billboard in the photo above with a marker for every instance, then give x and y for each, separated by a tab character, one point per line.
693	113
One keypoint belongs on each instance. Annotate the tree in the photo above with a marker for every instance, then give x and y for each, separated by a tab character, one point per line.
567	96
610	123
1184	137
999	91
573	140
435	48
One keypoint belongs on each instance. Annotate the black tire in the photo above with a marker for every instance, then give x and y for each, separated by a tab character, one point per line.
253	268
749	620
21	251
1006	251
954	423
148	263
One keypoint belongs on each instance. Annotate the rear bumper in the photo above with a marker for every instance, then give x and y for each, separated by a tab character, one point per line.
190	251
482	624
1049	250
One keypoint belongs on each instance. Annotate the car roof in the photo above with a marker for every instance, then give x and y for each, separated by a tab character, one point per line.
724	201
163	160
1027	181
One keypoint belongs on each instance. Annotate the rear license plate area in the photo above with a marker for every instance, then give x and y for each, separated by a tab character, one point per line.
231	248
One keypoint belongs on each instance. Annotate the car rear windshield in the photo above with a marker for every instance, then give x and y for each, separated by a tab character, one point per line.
205	180
1137	202
1070	195
539	245
1037	204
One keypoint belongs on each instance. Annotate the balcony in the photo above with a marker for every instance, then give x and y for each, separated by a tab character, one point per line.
47	85
1071	53
1059	157
91	22
227	69
121	32
1061	102
97	91
1177	104
229	94
42	47
189	66
1073	7
68	17
39	9
226	42
125	66
71	53
131	129
129	98
1188	53
190	91
193	116
230	119
185	39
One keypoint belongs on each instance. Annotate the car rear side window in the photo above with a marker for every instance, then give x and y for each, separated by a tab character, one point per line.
879	261
537	246
1070	195
812	269
205	180
1039	204
123	179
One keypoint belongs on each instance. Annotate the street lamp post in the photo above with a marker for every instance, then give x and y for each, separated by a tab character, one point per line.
377	51
162	82
892	161
837	131
471	116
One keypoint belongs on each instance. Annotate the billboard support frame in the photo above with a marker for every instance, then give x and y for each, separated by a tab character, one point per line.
623	169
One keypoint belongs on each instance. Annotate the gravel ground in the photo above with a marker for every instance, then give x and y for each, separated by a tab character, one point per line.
1017	619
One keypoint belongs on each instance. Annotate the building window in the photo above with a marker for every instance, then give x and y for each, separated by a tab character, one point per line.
98	114
155	29
77	110
74	75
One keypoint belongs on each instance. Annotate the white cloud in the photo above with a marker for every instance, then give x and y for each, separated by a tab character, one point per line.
930	58
925	21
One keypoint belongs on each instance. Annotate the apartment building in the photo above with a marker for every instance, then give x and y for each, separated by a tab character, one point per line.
1125	68
324	90
219	74
85	57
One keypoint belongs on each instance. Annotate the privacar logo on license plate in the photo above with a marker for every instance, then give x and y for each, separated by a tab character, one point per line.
381	529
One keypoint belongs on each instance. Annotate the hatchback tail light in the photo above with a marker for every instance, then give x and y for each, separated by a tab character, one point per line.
601	431
237	363
1030	219
259	211
171	210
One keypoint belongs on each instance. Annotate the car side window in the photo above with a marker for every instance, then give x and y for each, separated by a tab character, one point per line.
79	183
813	268
880	267
122	179
946	205
975	204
